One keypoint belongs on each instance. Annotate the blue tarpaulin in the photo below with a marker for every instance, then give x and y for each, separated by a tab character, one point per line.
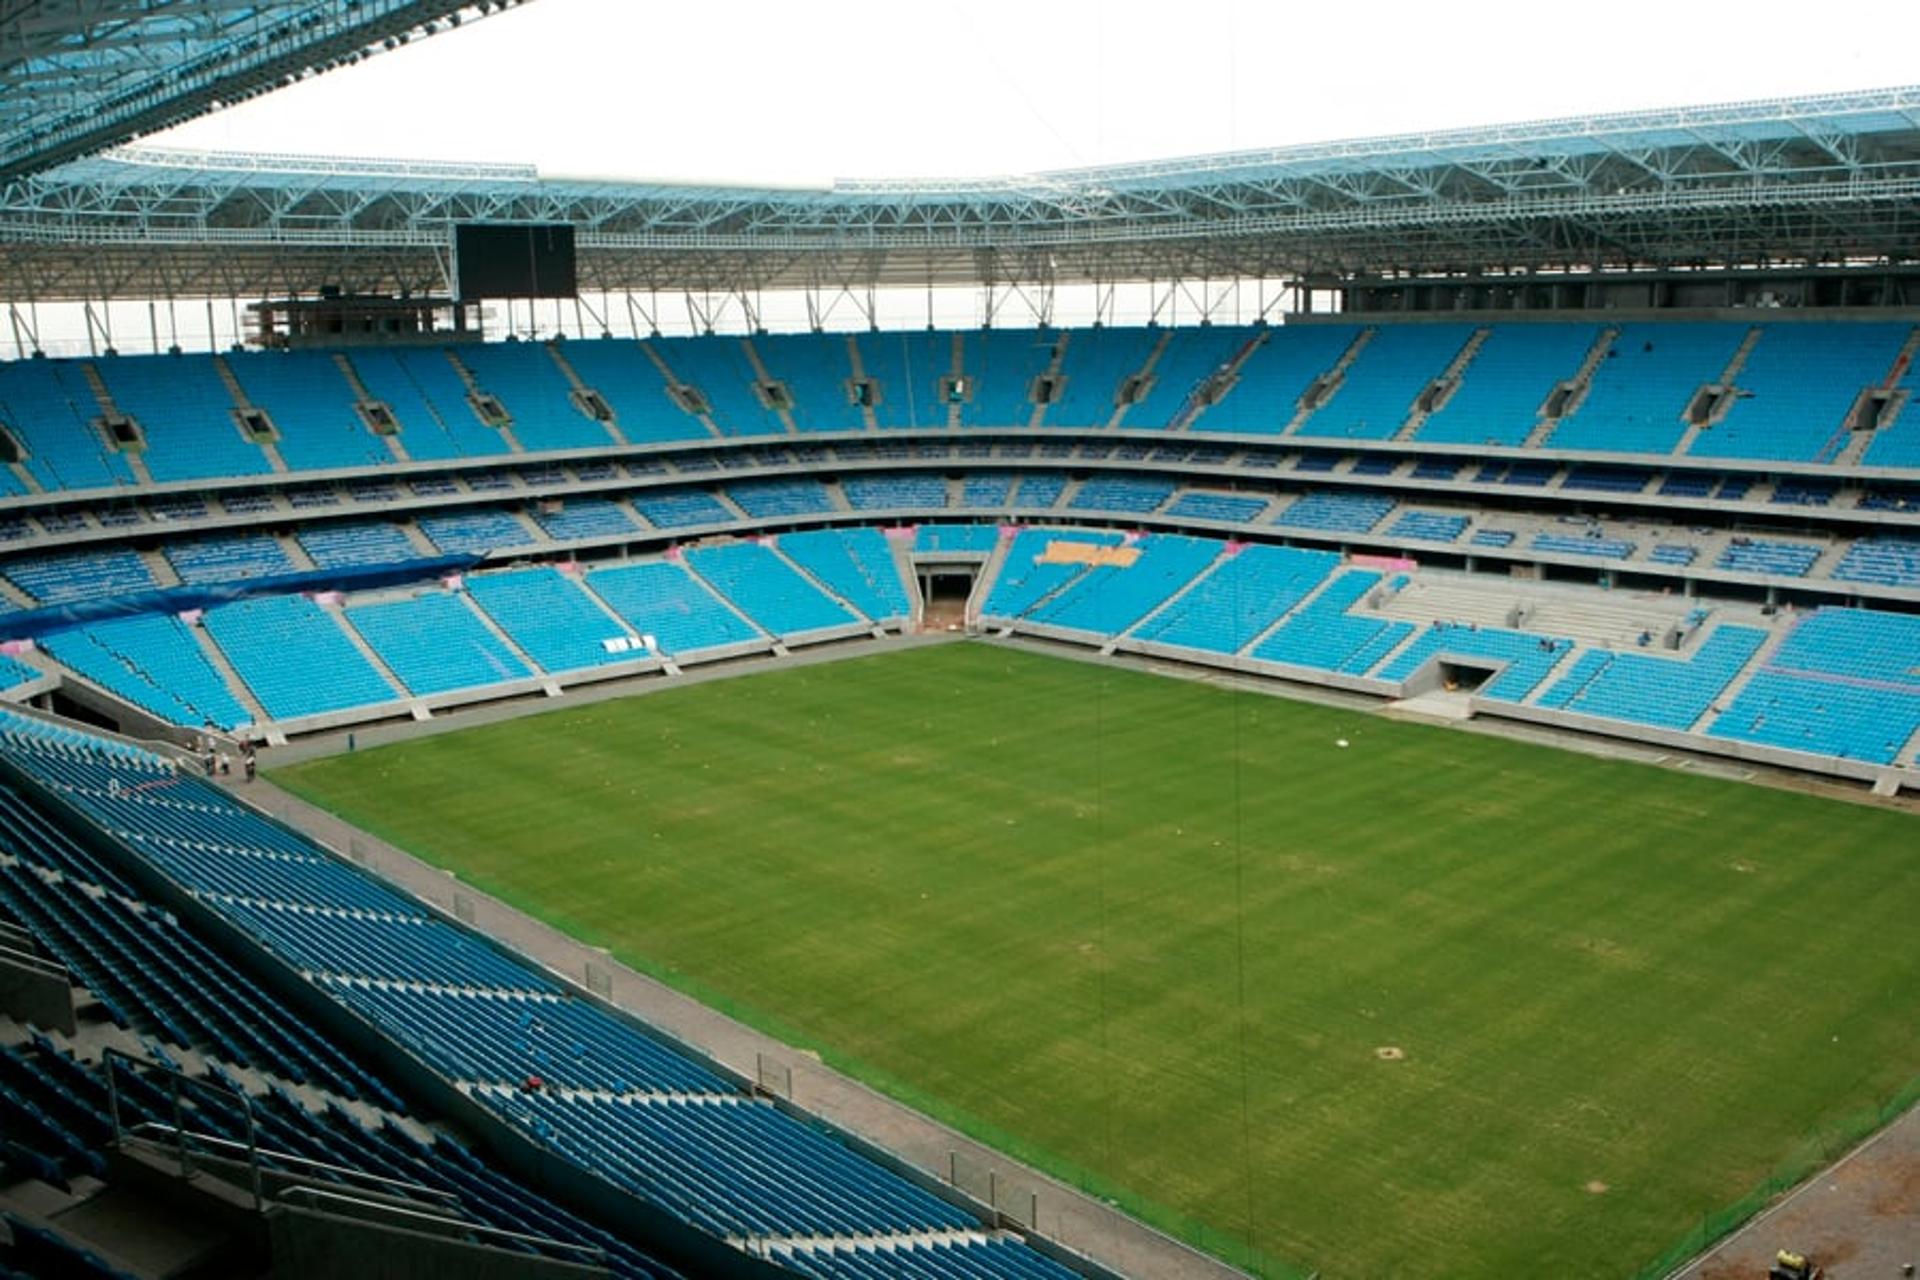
29	623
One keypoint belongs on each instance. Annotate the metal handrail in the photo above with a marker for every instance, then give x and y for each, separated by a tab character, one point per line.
464	1224
416	1190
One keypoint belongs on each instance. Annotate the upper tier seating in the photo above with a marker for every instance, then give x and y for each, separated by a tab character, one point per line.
1190	358
530	385
428	401
1324	635
1667	692
1845	682
1001	365
186	415
634	388
661	599
1894	444
154	662
855	564
1506	384
50	409
434	643
1246	594
294	656
1796	388
1375	398
1096	362
1269	383
549	617
906	369
766	588
720	371
817	371
1637	399
311	405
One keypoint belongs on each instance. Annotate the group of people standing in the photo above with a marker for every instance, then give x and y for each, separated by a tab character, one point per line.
219	764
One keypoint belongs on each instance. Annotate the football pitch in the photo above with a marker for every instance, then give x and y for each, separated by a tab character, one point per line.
1431	1004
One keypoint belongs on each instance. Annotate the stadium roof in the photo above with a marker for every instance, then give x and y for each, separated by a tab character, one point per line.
1817	180
79	75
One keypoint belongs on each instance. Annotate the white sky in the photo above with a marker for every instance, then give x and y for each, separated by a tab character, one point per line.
757	90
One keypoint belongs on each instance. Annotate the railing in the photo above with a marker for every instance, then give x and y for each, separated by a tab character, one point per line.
423	1206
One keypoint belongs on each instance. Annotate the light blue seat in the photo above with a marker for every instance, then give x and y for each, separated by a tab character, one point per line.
549	617
311	404
1796	388
428	401
1108	599
766	589
1845	682
661	599
154	662
435	643
632	386
1637	399
186	415
1132	494
1189	362
1247	593
1324	635
1001	366
51	411
1024	579
817	372
1649	688
294	657
1377	393
531	387
857	565
1506	384
1095	364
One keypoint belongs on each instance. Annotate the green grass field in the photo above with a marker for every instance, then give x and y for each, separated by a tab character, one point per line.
1151	934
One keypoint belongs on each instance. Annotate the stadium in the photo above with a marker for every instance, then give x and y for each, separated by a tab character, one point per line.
1349	709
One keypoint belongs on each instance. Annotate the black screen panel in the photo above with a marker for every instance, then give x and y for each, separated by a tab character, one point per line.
498	261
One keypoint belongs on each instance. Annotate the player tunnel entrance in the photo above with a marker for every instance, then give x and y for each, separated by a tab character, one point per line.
946	589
